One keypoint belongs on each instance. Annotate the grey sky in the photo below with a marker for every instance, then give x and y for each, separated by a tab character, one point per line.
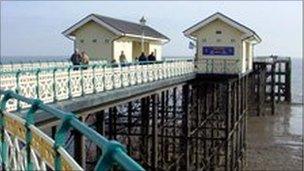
34	28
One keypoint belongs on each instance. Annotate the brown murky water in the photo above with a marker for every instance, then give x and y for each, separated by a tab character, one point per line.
275	142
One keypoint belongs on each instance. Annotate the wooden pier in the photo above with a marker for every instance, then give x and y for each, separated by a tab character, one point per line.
187	121
271	83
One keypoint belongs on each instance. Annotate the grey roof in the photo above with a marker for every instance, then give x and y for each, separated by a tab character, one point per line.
130	27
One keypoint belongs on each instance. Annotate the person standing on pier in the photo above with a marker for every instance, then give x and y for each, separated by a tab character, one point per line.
122	58
84	59
151	57
142	58
76	59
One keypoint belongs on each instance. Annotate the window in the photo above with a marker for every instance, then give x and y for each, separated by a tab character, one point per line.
81	40
204	40
94	40
107	41
232	40
218	40
218	32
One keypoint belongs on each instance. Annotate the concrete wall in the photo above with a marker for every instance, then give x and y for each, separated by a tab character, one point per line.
101	49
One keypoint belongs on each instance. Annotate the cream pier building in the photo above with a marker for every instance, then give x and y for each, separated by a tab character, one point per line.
104	38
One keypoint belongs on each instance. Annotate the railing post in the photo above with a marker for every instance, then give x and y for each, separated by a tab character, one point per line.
18	87
69	82
60	136
94	79
54	84
37	83
81	80
4	147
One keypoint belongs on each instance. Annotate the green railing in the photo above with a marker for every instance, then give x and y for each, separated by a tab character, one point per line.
112	151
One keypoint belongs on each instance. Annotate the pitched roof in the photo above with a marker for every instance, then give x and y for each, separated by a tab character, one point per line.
118	26
224	18
130	27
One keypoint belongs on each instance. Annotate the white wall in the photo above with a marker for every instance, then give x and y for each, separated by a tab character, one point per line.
157	49
123	45
99	50
206	36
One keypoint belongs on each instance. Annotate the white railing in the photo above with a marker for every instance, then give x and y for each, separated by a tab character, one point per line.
56	84
218	66
11	67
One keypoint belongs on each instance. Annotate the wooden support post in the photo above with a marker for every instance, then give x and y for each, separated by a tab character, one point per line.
145	128
129	127
54	129
273	67
162	122
110	123
185	147
154	160
100	128
279	81
258	94
79	147
227	124
174	156
288	81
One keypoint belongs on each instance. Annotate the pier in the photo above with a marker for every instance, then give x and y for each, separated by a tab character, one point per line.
161	115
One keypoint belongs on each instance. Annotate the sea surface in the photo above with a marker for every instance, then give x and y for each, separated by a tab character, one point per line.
296	82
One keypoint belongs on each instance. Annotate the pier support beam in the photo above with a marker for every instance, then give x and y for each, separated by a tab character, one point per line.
79	147
185	146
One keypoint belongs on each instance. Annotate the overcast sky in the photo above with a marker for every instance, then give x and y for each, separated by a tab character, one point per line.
34	28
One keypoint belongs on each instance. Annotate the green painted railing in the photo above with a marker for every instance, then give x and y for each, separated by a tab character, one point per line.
112	151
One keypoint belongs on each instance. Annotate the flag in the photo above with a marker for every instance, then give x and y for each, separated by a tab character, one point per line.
191	45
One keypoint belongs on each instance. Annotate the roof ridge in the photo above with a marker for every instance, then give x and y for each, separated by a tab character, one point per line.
118	19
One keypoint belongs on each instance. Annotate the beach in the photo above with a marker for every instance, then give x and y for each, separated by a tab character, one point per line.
275	142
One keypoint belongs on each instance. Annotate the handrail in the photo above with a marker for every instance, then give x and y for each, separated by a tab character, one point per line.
113	151
101	64
61	83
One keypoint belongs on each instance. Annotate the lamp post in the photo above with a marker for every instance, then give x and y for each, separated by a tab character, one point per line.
142	23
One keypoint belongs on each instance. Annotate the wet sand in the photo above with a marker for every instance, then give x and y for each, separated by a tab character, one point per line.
275	142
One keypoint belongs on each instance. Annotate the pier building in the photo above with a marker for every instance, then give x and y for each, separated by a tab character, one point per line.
104	38
223	43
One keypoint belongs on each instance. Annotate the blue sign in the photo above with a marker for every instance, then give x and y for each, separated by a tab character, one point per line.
218	50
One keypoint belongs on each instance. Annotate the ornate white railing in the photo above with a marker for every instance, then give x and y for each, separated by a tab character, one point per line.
11	67
218	66
60	83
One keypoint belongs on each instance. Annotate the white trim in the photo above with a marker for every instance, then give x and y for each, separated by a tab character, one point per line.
148	38
86	20
230	22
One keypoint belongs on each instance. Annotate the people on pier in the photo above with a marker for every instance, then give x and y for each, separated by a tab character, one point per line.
142	58
84	59
76	59
151	57
122	57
